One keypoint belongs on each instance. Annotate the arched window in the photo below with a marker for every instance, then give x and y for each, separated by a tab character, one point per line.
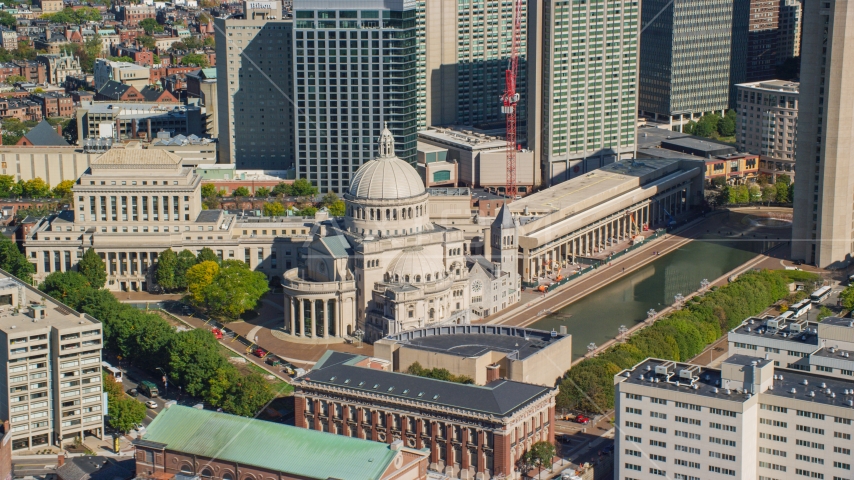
396	277
227	476
206	472
432	313
428	277
187	469
411	312
387	214
406	279
372	214
394	214
418	279
410	212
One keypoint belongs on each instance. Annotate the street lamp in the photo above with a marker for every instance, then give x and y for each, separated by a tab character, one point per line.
623	330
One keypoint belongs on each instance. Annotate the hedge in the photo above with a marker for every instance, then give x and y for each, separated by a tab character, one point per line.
679	336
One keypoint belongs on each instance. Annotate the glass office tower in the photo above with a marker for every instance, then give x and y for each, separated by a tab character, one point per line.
354	69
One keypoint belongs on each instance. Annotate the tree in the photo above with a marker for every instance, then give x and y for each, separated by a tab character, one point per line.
92	267
769	193
146	42
307	211
247	395
282	189
207	255
541	454
754	192
726	127
195	59
186	260
64	286
707	125
7	20
123	58
273	209
126	413
233	290
15	262
198	278
262	192
194	358
240	192
36	188
329	199
338	209
150	26
208	190
303	188
156	59
782	192
824	312
63	189
164	274
784	179
742	194
7	183
847	298
689	127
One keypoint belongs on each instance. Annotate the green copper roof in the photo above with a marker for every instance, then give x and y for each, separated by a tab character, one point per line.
281	448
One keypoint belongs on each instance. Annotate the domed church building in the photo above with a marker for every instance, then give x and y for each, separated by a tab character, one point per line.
387	268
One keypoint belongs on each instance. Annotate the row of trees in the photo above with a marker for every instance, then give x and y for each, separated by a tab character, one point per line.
438	374
589	386
192	358
74	16
223	288
741	194
299	188
35	188
712	125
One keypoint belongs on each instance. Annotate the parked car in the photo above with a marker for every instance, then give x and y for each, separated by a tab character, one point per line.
132	392
259	352
151	404
217	333
273	360
582	419
148	389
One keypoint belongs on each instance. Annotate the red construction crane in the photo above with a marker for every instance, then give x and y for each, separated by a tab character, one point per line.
510	99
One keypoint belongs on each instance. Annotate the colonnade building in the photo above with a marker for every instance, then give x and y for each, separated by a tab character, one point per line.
134	203
588	215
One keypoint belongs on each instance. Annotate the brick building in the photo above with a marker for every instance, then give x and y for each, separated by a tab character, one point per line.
32	71
21	108
138	55
217	446
54	104
468	429
133	14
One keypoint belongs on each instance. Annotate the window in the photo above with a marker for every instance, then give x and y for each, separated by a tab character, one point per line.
805	443
659	401
776	438
630	466
689	435
691	421
655	471
658	458
722	456
633	453
844	466
632	396
633	425
636	411
662	416
654	428
775	423
772	466
656	443
771	451
631	438
807	458
689	406
818	416
807	473
846	421
718	411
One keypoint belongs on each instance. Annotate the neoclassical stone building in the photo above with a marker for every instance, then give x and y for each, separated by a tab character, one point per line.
387	267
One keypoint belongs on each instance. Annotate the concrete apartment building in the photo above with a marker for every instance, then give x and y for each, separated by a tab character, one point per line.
369	72
747	419
822	228
767	124
134	203
685	59
52	362
463	54
471	431
51	6
584	84
202	84
123	72
255	97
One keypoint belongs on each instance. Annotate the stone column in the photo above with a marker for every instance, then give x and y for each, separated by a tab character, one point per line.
338	319
449	446
465	448
313	319
419	443
316	414
389	419
289	315
325	319
480	460
434	450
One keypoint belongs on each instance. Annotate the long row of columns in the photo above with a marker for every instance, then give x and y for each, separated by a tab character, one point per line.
133	208
657	211
313	317
117	263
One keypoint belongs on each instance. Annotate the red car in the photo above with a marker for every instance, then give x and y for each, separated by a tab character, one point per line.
259	352
582	419
217	333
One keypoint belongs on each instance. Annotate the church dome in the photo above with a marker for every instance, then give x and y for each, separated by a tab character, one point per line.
413	266
386	177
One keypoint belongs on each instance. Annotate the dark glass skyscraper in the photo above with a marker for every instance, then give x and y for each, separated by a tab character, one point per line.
354	69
